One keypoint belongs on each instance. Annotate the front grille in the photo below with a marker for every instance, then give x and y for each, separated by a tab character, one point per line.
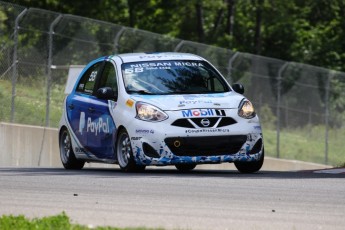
211	121
225	121
182	123
205	146
207	122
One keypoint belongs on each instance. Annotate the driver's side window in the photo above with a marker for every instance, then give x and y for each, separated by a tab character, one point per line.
108	78
87	81
212	82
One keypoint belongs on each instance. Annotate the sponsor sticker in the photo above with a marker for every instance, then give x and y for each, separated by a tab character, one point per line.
81	123
207	131
142	66
150	64
197	113
144	131
193	102
97	126
203	112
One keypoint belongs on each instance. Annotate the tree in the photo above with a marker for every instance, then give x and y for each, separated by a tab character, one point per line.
302	31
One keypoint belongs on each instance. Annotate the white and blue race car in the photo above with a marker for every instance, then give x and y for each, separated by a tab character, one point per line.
138	110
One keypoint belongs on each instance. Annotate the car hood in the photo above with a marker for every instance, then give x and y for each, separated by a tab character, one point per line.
228	100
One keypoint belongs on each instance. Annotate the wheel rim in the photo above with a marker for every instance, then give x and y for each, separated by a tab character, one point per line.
124	150
65	146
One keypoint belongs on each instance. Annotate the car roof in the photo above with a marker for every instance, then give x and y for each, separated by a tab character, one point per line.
136	57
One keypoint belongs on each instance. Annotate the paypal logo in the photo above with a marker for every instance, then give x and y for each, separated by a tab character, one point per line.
81	123
96	126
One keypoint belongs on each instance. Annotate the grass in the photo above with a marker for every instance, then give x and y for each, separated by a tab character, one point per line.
30	103
305	144
61	221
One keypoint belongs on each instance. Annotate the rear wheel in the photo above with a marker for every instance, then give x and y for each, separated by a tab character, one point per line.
250	167
125	156
68	159
185	167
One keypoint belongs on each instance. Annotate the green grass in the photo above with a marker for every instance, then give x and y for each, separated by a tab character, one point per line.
30	103
61	221
305	144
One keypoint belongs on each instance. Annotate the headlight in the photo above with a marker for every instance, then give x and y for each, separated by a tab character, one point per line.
147	112
246	109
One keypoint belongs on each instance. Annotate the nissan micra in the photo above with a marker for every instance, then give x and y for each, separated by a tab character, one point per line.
157	109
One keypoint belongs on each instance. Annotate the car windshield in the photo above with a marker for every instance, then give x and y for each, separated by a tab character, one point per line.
172	77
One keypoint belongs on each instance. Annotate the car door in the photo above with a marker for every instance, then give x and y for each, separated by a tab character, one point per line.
78	104
99	123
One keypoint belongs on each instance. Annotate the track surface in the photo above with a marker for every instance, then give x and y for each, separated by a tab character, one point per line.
202	199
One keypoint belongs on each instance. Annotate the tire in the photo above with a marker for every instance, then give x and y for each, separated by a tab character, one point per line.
68	159
250	167
124	153
185	167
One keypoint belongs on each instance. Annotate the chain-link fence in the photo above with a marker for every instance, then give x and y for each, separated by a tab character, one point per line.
301	106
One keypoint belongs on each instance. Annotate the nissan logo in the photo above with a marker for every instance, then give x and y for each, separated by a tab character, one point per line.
205	122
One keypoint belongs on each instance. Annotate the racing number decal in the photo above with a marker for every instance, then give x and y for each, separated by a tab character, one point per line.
136	70
93	76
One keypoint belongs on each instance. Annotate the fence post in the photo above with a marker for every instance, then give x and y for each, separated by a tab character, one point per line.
231	60
329	76
179	46
278	105
50	61
15	61
117	38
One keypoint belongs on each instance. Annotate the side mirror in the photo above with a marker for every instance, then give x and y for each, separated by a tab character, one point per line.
238	88
106	93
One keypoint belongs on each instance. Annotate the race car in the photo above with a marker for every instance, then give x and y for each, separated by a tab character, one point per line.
158	109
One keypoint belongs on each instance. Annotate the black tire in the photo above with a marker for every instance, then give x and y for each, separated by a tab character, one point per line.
124	153
250	167
68	159
185	167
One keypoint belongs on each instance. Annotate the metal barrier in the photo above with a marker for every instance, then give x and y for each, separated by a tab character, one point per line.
297	103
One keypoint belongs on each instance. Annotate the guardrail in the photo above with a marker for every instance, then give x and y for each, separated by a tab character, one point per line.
33	146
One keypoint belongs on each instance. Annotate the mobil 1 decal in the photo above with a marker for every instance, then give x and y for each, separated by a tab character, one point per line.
203	113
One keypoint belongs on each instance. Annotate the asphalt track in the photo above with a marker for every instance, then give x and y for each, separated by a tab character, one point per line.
160	197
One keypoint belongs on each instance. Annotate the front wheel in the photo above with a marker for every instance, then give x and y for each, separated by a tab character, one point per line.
250	167
124	154
68	159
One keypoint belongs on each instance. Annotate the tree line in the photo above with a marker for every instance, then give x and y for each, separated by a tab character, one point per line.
306	31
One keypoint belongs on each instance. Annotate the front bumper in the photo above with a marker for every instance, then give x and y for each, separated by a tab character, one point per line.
172	142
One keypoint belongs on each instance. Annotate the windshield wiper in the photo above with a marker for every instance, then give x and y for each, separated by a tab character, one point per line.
140	92
192	92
